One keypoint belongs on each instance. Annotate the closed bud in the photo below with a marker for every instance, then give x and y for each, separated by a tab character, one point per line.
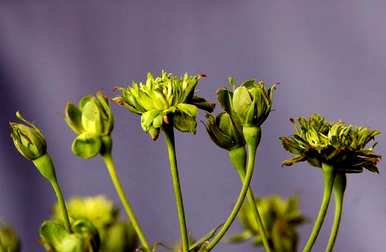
252	102
28	139
223	132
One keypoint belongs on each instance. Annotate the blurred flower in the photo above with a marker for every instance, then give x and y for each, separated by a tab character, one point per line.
55	237
115	235
28	139
163	100
9	241
335	143
92	121
281	219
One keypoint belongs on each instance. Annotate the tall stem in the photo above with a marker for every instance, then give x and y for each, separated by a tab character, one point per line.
238	157
169	138
263	232
329	175
107	158
339	189
62	205
240	199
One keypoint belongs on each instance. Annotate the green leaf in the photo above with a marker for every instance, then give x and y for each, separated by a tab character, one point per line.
240	237
188	109
86	145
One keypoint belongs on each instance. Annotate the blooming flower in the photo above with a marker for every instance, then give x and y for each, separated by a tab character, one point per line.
163	100
341	145
93	122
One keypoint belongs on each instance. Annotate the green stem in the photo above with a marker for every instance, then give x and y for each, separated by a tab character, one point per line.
170	143
329	175
237	157
240	199
46	167
118	187
62	205
339	189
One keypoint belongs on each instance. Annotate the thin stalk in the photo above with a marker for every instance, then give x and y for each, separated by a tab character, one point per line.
260	224
240	199
107	158
170	143
329	176
62	205
339	189
237	157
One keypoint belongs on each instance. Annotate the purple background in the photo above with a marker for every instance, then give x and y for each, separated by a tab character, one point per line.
330	57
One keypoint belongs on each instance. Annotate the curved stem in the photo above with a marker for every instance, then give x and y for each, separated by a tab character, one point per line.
240	199
169	138
62	205
329	176
339	189
260	224
237	157
107	158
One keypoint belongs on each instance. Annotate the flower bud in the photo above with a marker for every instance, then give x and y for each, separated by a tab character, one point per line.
28	139
252	103
9	241
85	237
92	120
223	132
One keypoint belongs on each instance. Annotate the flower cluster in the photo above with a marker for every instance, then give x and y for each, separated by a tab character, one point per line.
341	145
165	99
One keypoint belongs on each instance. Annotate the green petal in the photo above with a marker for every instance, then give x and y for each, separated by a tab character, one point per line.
73	118
241	102
86	145
188	109
184	122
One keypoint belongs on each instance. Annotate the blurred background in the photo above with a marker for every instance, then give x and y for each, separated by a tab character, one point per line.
329	57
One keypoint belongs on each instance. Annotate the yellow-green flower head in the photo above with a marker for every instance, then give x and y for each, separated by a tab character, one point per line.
84	238
281	219
9	241
341	145
163	100
100	210
92	121
115	235
28	139
249	104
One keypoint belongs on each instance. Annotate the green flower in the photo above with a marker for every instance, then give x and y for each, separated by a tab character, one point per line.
28	139
281	219
249	104
92	121
164	99
341	145
84	238
115	235
223	132
9	241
